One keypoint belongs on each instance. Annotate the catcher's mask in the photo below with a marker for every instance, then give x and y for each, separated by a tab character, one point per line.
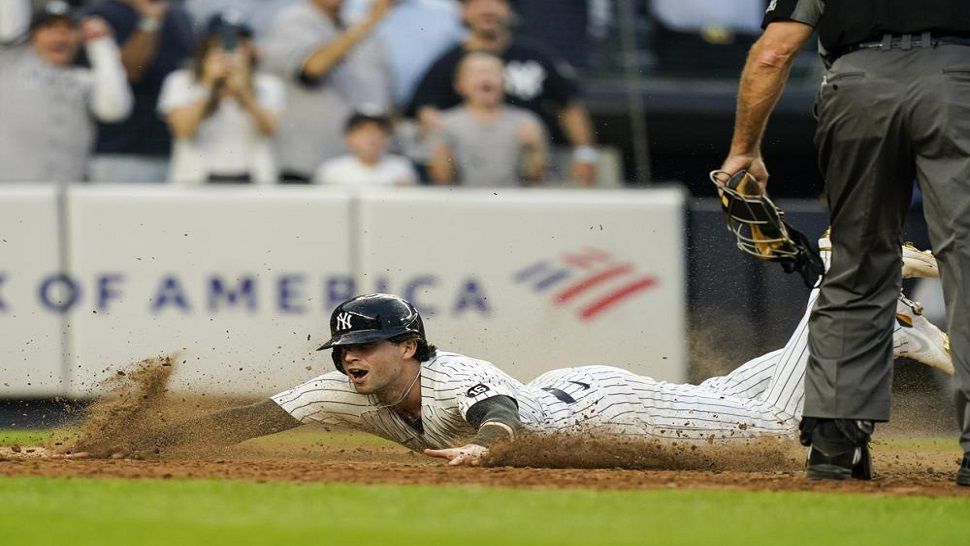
760	227
370	318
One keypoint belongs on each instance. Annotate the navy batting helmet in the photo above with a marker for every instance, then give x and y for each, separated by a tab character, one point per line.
369	318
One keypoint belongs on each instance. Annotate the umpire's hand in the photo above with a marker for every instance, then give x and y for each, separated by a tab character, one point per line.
754	164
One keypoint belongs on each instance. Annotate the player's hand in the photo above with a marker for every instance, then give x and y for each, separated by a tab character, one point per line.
754	164
93	28
467	455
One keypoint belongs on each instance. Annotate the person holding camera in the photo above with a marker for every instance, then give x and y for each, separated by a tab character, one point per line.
222	112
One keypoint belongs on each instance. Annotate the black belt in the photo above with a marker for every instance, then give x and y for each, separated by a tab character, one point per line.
902	41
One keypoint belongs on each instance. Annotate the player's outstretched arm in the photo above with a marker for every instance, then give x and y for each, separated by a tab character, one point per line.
220	429
496	418
233	425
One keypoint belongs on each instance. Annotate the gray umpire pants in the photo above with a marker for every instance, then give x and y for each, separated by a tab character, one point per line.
886	117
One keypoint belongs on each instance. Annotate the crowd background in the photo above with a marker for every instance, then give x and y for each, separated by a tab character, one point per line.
383	92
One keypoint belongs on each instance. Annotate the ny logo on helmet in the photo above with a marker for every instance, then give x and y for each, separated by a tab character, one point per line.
343	321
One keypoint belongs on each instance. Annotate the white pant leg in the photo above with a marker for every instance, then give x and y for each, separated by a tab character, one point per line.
640	406
777	376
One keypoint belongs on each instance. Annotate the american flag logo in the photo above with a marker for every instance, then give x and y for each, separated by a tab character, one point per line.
590	280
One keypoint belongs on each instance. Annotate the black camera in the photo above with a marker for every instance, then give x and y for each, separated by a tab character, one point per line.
230	37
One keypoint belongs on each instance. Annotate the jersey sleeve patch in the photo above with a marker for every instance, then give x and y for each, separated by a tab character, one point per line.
477	390
802	11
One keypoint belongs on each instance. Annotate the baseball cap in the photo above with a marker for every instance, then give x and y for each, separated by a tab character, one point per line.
228	19
369	115
52	11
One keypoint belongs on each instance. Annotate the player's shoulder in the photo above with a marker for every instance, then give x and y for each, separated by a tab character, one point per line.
332	379
455	365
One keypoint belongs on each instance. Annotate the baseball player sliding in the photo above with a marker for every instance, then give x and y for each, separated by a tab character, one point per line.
390	381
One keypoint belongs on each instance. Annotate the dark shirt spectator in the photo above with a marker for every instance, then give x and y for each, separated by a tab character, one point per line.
559	26
534	80
156	38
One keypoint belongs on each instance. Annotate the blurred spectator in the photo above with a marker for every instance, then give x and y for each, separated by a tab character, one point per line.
330	70
485	142
221	112
414	34
704	38
534	81
258	13
46	125
558	26
156	38
367	137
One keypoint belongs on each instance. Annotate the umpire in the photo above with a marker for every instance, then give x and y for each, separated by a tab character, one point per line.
894	105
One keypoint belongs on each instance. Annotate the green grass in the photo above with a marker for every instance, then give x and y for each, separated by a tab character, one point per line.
28	437
107	511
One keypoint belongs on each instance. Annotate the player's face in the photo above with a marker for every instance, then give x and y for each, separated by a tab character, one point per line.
482	80
368	141
373	368
487	17
56	42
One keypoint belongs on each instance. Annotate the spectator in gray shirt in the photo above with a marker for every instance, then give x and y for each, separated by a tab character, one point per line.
484	141
49	107
330	70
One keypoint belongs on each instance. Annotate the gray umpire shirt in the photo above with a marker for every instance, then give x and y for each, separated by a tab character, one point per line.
46	131
486	154
312	127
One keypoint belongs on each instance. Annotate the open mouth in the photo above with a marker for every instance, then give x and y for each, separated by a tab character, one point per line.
357	374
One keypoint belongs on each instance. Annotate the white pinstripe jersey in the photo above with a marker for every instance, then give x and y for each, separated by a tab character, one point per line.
589	398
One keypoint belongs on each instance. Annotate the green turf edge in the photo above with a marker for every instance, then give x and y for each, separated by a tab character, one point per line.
110	511
304	436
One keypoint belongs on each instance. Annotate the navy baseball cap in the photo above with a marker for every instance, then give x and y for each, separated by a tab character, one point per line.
55	10
229	19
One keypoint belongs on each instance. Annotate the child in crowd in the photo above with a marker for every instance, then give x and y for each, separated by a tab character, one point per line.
485	142
367	136
222	113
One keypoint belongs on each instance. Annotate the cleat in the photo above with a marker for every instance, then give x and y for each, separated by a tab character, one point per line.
918	339
918	263
963	475
825	247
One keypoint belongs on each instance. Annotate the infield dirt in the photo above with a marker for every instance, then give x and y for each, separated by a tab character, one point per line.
129	420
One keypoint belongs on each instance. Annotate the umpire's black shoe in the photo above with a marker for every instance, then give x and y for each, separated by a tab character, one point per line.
839	448
963	475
